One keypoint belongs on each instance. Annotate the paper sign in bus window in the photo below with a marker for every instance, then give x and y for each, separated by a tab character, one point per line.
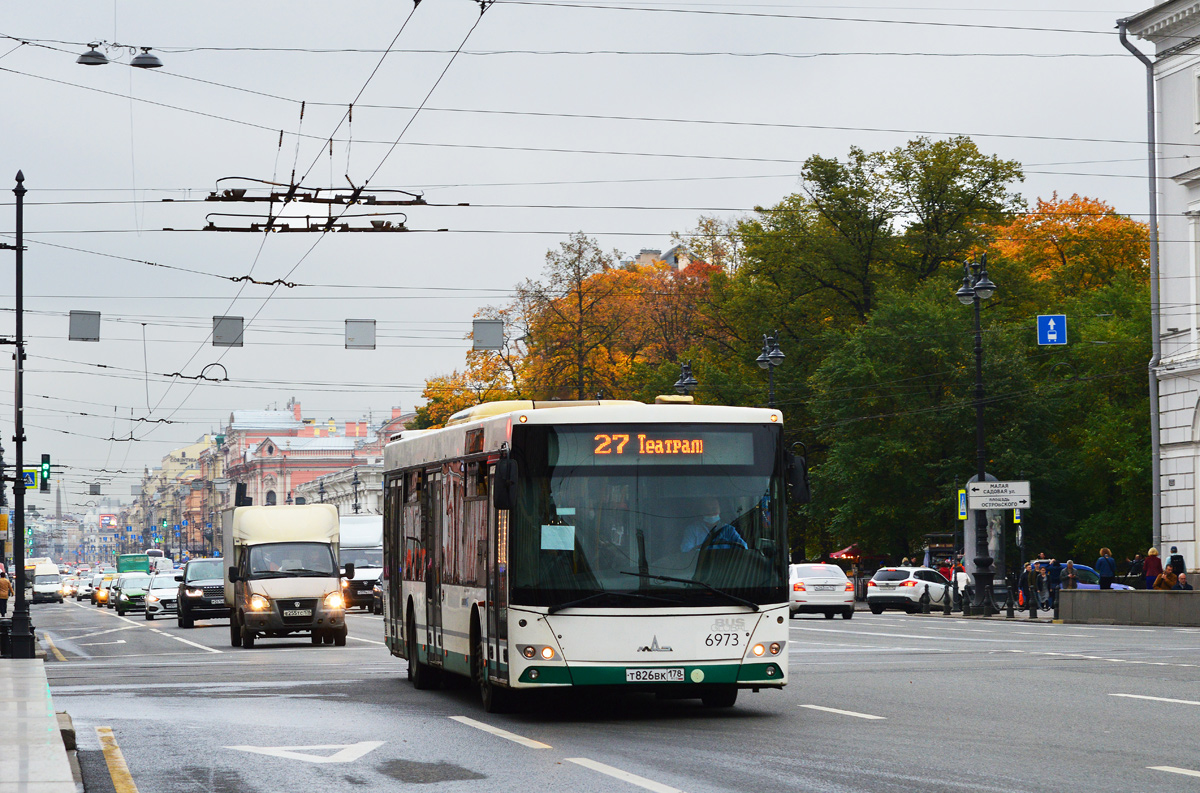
558	538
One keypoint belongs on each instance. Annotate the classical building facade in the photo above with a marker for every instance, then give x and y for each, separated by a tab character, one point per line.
1174	30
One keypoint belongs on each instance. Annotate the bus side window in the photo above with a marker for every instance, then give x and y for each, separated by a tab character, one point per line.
477	482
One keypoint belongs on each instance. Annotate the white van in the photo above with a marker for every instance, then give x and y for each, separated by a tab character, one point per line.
47	583
362	546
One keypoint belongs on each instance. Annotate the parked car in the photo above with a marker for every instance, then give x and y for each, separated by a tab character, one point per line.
1087	577
162	594
902	588
201	592
820	589
131	593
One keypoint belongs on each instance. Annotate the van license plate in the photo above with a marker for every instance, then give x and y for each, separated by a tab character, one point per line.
298	613
654	675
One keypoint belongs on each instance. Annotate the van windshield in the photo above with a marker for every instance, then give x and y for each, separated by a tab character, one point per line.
363	557
279	559
45	579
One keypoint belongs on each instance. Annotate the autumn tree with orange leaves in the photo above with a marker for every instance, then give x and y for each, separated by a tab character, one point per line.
1076	245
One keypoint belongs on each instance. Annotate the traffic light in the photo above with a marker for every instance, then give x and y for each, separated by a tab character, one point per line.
164	524
44	485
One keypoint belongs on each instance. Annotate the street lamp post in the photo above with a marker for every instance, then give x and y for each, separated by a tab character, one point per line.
977	287
770	357
321	490
22	628
686	383
356	483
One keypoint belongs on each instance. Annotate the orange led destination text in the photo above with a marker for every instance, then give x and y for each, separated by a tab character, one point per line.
615	444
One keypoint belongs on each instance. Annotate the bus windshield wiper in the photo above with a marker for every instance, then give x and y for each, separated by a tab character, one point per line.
597	595
747	603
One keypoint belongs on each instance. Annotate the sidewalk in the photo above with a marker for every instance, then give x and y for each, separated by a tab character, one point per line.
33	758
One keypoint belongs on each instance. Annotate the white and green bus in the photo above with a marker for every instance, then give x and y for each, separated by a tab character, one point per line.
533	545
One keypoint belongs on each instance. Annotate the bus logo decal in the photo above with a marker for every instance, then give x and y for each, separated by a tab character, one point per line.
654	648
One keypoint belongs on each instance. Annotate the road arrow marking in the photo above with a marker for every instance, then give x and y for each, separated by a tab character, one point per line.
347	752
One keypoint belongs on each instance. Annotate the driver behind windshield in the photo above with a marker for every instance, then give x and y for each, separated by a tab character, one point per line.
708	531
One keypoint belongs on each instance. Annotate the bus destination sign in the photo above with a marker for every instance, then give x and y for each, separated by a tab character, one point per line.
616	444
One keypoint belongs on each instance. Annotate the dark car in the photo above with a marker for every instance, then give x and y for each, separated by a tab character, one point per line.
202	592
377	597
1088	578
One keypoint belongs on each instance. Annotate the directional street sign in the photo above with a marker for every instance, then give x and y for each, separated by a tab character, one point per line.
1052	329
998	495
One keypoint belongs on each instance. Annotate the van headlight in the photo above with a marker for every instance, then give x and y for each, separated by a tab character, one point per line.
259	603
334	600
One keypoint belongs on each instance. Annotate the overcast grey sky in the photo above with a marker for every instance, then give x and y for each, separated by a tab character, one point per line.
101	148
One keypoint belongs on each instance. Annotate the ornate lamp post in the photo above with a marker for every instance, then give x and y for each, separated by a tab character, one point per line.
977	287
686	384
770	357
355	484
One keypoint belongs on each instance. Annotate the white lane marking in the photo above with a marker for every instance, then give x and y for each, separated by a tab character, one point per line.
1158	699
624	776
1170	769
185	641
511	736
844	712
97	644
372	641
101	633
347	752
908	635
1121	660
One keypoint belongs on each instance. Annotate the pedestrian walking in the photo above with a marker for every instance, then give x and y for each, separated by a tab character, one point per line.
1182	585
1136	576
1106	568
1023	585
1054	572
1152	568
1043	589
1070	578
6	590
1176	562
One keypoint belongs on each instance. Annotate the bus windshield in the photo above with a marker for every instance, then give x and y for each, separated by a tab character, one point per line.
603	510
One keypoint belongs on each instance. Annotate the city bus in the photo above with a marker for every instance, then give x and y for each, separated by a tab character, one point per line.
532	545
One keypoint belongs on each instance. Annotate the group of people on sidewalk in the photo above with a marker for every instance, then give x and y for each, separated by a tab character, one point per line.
1044	578
1151	570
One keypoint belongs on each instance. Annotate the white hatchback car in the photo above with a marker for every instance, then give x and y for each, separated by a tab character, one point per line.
902	587
820	589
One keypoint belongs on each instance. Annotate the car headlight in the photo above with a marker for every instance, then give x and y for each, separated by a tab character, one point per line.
345	583
334	600
151	598
259	603
194	593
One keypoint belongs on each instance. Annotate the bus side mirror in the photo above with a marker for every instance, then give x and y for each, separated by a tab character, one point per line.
504	484
797	473
233	576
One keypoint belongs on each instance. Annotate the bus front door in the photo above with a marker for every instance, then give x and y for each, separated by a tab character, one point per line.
433	565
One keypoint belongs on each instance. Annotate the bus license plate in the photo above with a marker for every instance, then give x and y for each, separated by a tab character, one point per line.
298	613
654	675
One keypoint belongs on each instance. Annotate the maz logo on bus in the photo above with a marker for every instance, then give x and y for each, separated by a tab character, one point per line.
615	444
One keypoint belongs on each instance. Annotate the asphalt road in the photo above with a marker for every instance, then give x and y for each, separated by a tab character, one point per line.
880	703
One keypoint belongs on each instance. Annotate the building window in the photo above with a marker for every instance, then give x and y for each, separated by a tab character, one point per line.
270	498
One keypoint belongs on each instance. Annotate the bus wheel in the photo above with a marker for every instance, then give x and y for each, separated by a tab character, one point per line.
423	676
723	697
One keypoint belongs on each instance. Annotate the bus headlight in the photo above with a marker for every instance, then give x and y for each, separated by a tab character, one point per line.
547	653
528	651
334	600
775	648
758	650
259	603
